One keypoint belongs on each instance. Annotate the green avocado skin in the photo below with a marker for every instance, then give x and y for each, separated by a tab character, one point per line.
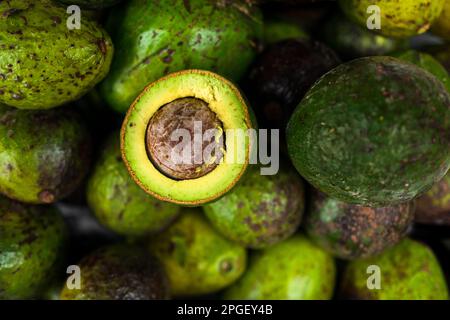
43	64
154	38
261	210
409	271
353	41
350	231
44	155
31	248
374	131
119	272
119	203
294	269
90	4
196	258
400	19
427	62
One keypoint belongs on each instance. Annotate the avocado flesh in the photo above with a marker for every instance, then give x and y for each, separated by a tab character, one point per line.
294	269
31	248
224	100
366	144
118	203
43	64
198	260
408	271
155	38
44	154
399	19
119	272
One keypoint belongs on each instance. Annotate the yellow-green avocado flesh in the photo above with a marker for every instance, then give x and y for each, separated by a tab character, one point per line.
224	99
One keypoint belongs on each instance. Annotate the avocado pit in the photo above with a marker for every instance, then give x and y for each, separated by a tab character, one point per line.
184	139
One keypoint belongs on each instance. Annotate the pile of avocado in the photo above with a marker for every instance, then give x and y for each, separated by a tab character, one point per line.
134	149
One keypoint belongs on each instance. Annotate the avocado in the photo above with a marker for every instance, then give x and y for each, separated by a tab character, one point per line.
119	272
183	106
32	245
350	231
441	26
294	269
44	155
90	4
433	207
197	259
276	30
155	38
282	75
261	210
356	137
352	41
442	54
408	271
119	203
427	62
399	19
43	63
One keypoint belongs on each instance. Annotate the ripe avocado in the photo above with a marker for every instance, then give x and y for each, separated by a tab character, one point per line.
294	269
433	207
399	19
119	203
43	64
31	248
408	271
282	75
356	137
155	38
441	26
180	102
351	231
119	272
44	155
260	210
351	40
90	4
197	259
427	62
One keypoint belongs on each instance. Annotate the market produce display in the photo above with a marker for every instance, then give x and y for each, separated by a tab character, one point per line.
224	149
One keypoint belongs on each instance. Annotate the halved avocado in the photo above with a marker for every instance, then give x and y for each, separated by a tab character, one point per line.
177	101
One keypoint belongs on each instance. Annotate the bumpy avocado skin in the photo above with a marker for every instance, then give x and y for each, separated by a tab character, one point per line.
356	138
31	248
43	64
261	210
119	203
282	74
44	155
399	19
353	41
427	62
409	271
119	272
441	27
351	231
90	4
196	258
154	38
433	207
294	269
